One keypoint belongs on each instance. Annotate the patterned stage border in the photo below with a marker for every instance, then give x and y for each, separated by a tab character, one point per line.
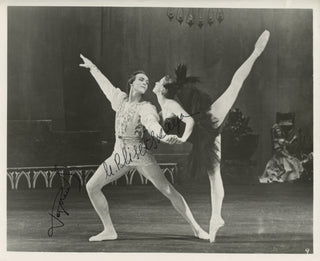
32	174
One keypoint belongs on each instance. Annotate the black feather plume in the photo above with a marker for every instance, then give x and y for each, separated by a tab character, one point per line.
181	75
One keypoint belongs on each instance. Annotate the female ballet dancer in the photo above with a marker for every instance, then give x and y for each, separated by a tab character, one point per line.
132	113
199	121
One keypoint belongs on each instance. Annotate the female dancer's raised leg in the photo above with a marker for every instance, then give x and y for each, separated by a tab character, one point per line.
219	110
155	175
100	178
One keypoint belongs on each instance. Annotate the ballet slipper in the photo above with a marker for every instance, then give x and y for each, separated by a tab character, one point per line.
104	235
201	234
215	225
261	43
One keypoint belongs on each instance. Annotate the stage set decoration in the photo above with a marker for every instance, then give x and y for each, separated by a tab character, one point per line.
292	156
199	16
67	174
39	155
239	143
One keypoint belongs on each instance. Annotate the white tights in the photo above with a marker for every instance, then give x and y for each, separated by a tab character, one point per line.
153	173
219	110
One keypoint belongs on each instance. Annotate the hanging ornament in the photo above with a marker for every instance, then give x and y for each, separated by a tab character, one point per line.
170	14
180	15
220	15
190	17
196	16
210	17
200	15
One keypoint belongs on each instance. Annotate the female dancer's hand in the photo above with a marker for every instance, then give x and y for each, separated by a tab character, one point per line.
171	139
86	62
180	141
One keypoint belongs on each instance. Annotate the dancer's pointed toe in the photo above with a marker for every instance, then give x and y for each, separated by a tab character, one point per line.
201	234
215	225
262	42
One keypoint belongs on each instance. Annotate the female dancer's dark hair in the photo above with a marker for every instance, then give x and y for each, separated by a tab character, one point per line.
196	102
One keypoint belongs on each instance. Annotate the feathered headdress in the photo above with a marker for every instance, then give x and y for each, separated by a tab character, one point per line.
173	85
181	76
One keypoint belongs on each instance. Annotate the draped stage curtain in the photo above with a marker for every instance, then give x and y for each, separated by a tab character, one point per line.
45	81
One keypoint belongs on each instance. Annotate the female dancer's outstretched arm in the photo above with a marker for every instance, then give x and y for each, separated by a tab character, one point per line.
151	123
175	108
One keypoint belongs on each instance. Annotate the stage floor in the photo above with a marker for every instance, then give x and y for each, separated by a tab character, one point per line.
261	218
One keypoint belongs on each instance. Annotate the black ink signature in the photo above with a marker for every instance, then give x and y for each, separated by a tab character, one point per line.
176	124
61	195
127	158
149	142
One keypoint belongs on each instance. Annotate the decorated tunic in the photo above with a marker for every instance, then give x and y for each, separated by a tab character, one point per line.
130	120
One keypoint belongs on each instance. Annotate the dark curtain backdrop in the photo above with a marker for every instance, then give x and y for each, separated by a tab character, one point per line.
45	81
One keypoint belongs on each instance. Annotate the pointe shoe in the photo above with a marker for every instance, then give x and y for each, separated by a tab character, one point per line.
201	234
261	42
104	235
214	227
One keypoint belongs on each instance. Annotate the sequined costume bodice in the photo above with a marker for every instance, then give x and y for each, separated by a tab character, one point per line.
131	121
128	121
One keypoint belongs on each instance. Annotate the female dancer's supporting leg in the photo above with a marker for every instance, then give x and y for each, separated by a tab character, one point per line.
155	175
219	110
216	192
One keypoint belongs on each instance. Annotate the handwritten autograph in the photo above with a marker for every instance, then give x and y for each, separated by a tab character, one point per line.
58	203
127	157
141	149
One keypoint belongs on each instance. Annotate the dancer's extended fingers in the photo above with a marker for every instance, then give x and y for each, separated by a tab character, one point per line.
86	62
84	59
179	141
174	139
170	140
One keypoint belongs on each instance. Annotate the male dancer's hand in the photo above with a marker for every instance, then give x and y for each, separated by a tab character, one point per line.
86	62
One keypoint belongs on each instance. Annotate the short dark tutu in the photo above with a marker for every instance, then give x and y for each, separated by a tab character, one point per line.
204	150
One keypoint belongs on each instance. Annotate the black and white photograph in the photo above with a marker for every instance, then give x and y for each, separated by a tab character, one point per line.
148	127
